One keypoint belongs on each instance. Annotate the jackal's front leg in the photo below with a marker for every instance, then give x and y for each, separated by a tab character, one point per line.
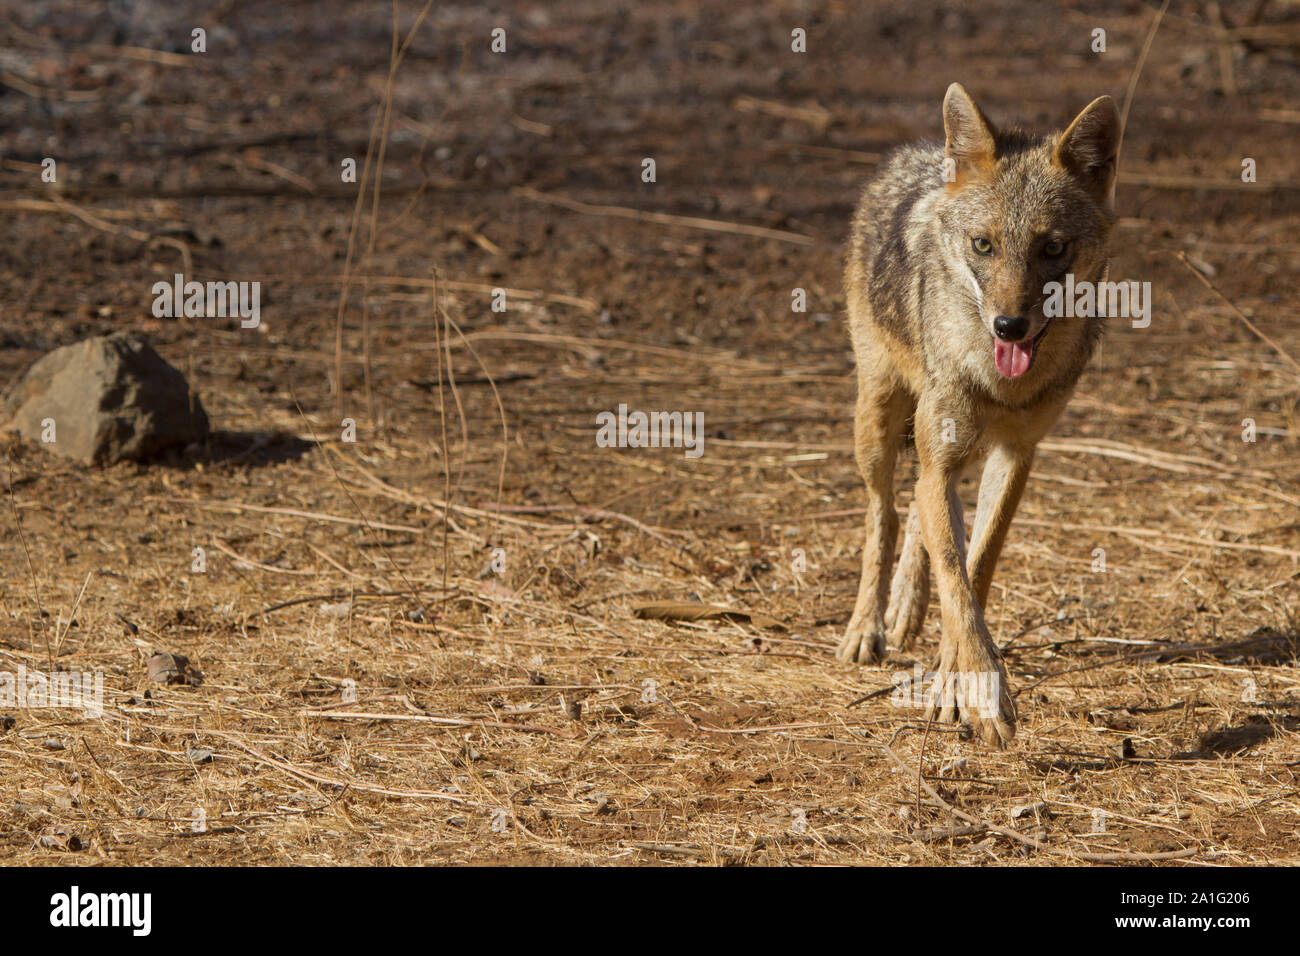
878	424
970	680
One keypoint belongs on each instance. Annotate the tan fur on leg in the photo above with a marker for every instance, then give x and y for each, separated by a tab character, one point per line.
882	411
966	650
1001	485
909	594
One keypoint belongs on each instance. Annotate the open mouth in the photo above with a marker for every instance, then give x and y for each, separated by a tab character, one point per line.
1013	359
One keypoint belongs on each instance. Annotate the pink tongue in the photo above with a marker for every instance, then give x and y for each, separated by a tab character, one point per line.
1012	358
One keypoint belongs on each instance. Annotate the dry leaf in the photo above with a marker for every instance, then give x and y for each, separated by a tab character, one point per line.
60	837
168	668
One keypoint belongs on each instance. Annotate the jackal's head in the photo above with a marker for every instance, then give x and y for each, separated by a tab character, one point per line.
1018	212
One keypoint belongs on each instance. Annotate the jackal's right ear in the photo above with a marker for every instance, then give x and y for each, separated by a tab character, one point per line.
969	136
1089	147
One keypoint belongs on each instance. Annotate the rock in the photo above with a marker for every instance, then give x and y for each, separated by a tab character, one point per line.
110	398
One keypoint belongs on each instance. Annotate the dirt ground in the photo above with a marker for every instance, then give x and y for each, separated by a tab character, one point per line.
420	647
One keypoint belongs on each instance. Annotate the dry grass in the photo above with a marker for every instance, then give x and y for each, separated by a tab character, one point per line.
461	743
376	693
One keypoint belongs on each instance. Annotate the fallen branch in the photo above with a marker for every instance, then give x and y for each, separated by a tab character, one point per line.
693	611
666	219
288	512
306	776
1182	257
442	721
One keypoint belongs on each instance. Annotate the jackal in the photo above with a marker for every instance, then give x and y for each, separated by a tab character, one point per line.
950	250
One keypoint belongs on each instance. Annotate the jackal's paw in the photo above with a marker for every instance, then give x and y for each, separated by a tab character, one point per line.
971	686
862	643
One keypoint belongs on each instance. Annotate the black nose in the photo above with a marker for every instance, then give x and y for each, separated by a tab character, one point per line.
1010	328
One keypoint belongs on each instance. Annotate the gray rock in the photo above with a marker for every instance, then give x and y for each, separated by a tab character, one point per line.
111	398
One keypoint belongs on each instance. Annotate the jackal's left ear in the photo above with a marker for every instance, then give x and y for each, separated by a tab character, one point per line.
1089	147
969	136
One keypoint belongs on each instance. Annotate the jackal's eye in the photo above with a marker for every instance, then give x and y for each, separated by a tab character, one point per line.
982	246
1054	249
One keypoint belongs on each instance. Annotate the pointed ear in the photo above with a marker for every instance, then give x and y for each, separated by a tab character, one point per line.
968	134
1089	147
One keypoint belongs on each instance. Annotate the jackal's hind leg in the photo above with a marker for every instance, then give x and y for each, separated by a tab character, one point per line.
1002	483
909	594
